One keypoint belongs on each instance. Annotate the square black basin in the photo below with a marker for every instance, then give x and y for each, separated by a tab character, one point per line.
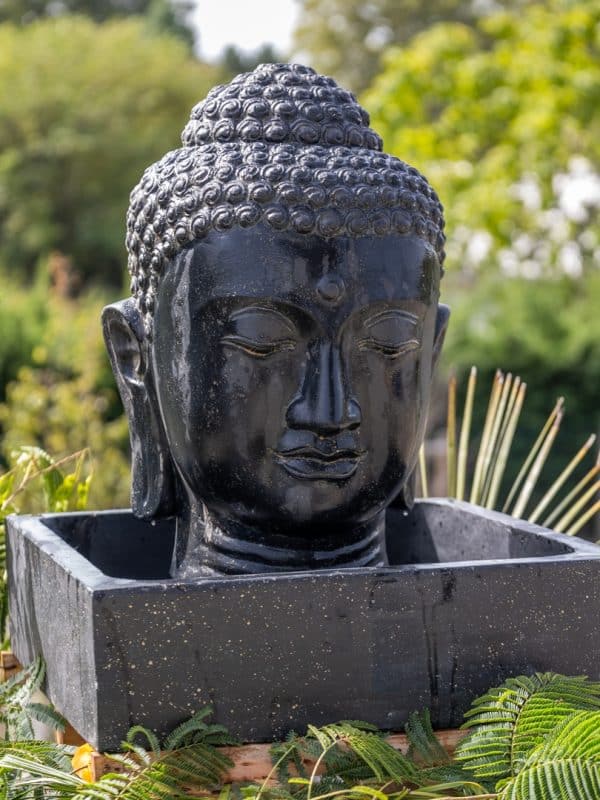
470	598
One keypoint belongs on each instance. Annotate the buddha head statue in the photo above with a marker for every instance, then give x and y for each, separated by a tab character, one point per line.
275	358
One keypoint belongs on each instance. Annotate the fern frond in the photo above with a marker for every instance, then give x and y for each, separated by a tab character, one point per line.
18	689
55	755
147	734
196	730
198	767
511	720
286	754
47	715
384	762
423	745
564	767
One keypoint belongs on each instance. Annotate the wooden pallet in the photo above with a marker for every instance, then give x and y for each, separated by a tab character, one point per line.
251	762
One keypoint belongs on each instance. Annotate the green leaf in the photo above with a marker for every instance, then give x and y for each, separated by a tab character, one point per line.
509	721
566	766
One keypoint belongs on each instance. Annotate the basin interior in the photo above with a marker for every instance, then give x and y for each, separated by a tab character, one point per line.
121	546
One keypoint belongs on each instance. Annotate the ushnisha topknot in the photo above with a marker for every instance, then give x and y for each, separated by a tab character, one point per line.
282	145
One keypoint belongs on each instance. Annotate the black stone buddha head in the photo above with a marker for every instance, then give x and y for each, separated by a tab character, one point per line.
276	356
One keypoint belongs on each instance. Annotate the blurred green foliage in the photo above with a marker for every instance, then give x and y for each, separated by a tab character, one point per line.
503	117
162	16
36	482
84	108
64	398
330	30
481	108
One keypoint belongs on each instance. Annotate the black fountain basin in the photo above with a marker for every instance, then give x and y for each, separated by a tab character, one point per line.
471	597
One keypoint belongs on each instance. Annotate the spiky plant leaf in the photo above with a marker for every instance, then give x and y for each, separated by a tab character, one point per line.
509	721
18	689
47	715
198	767
423	744
565	767
196	730
384	762
145	733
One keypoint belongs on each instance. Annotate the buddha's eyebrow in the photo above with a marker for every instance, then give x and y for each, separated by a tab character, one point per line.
285	321
394	313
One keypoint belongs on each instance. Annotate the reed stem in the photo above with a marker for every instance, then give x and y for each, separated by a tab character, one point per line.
506	442
491	454
551	493
489	421
533	452
564	522
451	438
533	475
572	494
423	471
465	432
577	526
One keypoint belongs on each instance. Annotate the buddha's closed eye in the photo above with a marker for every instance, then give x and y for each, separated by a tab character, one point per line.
260	332
391	333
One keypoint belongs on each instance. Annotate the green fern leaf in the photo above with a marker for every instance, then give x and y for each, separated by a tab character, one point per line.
147	734
384	762
47	715
423	744
566	766
511	720
18	689
196	730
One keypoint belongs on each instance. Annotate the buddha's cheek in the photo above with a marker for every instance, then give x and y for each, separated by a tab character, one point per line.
254	395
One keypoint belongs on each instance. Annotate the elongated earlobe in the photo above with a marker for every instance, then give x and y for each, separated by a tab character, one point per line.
153	486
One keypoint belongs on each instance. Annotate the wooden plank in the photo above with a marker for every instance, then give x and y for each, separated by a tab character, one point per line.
252	762
9	665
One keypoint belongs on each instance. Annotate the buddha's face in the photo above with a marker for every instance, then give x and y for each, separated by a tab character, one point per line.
293	372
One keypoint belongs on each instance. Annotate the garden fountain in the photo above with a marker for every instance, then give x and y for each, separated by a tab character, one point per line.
275	362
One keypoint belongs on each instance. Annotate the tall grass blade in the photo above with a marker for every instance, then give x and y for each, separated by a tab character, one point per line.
451	438
533	475
577	526
559	482
423	471
491	453
564	522
465	432
487	428
533	453
572	494
513	415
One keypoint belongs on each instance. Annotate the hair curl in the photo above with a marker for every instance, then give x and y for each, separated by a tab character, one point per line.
281	145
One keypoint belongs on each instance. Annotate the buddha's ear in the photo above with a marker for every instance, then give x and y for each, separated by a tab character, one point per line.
405	499
152	474
441	325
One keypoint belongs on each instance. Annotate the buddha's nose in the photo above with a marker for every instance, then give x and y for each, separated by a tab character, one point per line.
324	403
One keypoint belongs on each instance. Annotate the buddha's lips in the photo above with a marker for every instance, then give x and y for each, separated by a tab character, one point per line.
311	463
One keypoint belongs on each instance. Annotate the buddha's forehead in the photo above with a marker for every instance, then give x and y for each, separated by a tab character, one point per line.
303	269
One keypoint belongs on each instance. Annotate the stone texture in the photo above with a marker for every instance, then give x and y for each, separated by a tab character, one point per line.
472	598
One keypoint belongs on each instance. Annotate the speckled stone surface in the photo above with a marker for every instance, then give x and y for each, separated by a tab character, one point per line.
472	598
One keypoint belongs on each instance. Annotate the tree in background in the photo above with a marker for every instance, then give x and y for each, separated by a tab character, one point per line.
346	38
163	16
504	118
84	108
235	60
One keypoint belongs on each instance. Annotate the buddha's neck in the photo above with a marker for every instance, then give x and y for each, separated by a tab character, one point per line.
208	545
